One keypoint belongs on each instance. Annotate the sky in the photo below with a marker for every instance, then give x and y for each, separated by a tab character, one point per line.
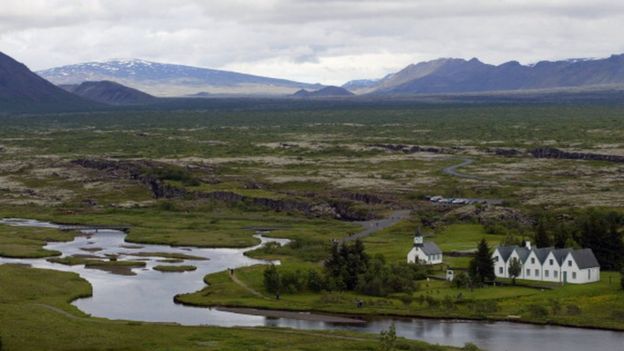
323	41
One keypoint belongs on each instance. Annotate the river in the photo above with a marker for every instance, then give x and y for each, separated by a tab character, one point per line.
148	296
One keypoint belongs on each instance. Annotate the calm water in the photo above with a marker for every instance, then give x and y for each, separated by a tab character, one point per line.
148	296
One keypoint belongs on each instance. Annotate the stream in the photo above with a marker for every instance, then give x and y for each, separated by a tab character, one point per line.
148	296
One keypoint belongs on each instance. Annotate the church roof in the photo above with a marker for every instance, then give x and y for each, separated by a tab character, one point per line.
430	248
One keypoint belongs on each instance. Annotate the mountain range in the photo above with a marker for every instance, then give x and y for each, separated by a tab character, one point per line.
23	90
448	76
97	85
162	79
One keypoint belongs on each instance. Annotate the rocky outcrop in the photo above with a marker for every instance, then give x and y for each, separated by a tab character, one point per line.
139	171
487	214
507	152
409	149
550	152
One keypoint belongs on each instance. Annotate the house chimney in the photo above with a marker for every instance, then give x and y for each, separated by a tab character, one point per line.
527	244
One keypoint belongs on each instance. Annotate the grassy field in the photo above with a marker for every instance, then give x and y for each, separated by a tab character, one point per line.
184	268
24	242
35	314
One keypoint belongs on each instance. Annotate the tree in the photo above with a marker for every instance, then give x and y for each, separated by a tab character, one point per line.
316	282
515	268
346	263
387	338
541	236
481	267
622	278
272	280
599	231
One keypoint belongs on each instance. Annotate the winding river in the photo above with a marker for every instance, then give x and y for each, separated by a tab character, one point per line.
147	295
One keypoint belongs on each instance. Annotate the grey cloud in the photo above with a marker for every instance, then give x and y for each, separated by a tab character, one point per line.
313	40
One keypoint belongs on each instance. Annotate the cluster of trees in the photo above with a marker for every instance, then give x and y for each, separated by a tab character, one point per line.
348	268
595	229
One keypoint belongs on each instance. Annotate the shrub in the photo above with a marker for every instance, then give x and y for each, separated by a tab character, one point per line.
537	311
461	280
407	299
272	280
470	347
316	282
573	310
388	338
555	306
293	282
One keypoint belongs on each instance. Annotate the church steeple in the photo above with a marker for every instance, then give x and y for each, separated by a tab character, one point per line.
418	238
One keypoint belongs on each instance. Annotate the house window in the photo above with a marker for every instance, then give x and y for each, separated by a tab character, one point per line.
537	272
495	258
551	261
500	270
532	260
570	263
556	274
528	272
573	275
588	274
546	273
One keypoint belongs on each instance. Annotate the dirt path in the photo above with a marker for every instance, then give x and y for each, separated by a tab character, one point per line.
370	227
60	311
238	282
452	170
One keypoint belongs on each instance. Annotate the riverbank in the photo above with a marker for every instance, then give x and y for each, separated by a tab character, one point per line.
35	313
593	306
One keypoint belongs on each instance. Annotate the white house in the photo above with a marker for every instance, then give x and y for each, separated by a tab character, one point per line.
548	264
424	252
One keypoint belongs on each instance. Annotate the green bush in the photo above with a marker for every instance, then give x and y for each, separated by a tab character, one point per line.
316	282
537	311
272	280
573	310
470	347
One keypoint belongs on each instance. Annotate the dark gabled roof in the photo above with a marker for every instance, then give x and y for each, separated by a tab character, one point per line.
585	258
561	254
505	252
430	248
523	253
542	253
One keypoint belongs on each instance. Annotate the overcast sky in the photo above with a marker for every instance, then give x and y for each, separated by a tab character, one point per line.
308	40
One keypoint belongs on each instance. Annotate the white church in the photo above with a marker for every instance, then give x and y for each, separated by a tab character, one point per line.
548	264
424	252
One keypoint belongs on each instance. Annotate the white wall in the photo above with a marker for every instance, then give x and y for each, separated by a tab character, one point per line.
416	253
532	268
500	266
555	271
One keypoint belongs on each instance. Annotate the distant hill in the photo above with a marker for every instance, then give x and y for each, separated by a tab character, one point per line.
110	93
360	84
23	90
330	91
162	79
463	76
